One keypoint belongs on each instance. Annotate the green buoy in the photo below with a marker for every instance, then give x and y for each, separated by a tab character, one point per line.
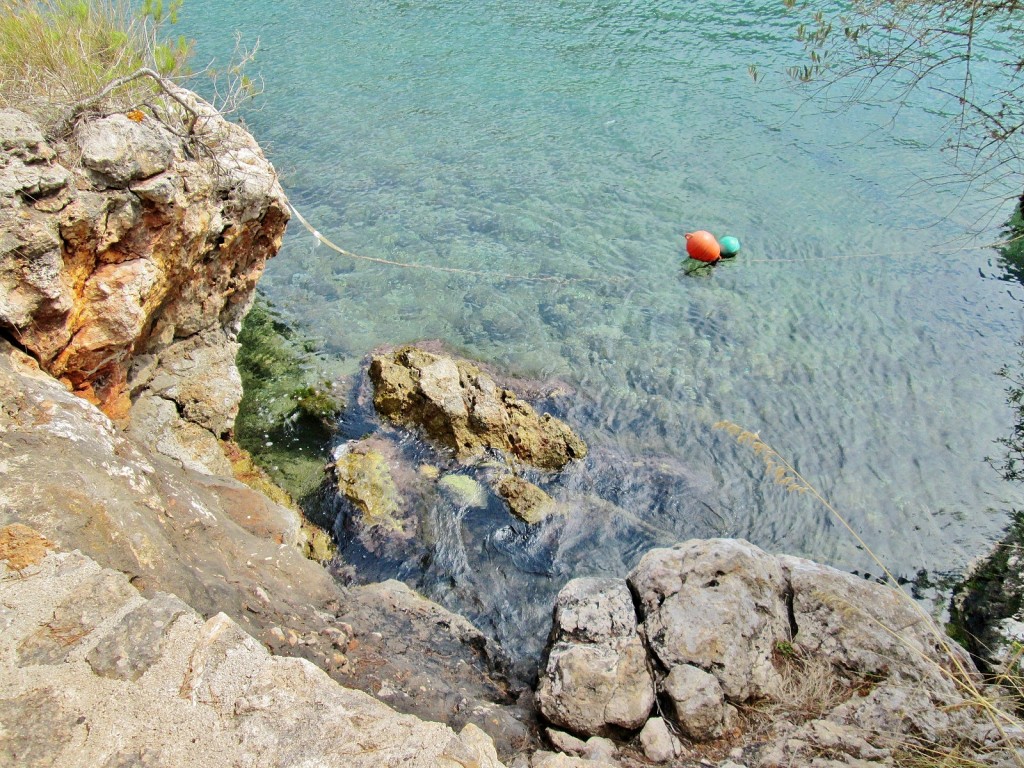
730	246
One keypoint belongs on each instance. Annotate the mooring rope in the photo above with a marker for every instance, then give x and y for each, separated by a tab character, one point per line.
563	279
434	268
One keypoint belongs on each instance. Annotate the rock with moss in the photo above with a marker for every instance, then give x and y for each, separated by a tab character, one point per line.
987	607
364	478
459	406
525	500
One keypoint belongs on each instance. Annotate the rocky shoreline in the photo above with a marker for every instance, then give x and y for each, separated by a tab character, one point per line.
140	575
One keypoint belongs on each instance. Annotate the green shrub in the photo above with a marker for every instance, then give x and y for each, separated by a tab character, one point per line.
55	53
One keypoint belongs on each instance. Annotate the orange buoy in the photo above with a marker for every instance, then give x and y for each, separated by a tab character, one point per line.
702	246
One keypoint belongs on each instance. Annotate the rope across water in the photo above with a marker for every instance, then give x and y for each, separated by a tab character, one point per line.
563	279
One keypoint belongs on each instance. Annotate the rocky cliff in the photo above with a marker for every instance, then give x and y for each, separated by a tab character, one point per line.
128	256
142	587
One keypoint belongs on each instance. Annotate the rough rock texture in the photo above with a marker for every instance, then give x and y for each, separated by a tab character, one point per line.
461	407
698	702
127	276
217	544
858	668
150	682
525	500
720	608
596	673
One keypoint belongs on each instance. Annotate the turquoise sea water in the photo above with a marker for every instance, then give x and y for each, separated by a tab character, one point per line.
855	332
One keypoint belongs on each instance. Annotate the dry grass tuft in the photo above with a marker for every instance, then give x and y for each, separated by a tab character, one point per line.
999	706
57	53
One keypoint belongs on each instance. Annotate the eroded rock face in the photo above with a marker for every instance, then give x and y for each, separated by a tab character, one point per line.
146	250
68	472
151	682
855	668
596	674
461	407
719	607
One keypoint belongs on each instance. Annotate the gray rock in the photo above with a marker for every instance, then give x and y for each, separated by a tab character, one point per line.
73	621
719	605
122	150
156	419
21	137
199	375
558	760
565	742
213	697
596	674
24	742
875	629
697	701
600	749
659	743
134	645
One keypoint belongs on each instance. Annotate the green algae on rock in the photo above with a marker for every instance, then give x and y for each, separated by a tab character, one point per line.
364	478
463	490
461	407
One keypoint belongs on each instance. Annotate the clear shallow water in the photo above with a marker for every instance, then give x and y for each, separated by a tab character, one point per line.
582	139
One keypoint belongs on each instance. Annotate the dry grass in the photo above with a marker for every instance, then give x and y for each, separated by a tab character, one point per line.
57	53
998	706
810	688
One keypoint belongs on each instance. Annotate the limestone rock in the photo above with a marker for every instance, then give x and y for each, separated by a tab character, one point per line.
697	701
558	760
156	419
658	742
138	641
461	407
93	277
83	483
122	150
864	626
209	696
718	605
565	742
596	675
525	500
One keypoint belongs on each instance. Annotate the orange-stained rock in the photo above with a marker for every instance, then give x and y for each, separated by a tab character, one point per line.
135	250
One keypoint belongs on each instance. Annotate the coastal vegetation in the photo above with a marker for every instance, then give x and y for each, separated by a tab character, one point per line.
56	54
968	53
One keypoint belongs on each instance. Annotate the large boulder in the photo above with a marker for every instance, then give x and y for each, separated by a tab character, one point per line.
596	677
462	408
848	668
140	259
717	605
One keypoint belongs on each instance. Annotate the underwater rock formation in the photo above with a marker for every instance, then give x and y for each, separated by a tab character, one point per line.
462	408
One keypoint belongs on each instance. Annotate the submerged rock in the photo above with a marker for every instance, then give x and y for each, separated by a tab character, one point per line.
364	478
461	407
463	490
525	500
